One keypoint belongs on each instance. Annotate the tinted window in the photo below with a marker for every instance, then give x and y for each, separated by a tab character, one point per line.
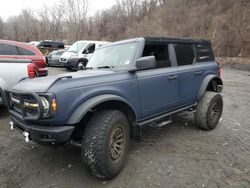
160	52
6	49
24	51
89	49
184	54
204	53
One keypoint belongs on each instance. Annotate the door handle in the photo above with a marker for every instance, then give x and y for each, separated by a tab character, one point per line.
173	77
198	72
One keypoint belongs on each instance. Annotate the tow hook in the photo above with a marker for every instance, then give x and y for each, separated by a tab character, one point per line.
11	125
26	135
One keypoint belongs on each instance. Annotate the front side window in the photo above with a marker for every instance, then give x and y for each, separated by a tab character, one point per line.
160	52
119	55
6	49
184	54
89	49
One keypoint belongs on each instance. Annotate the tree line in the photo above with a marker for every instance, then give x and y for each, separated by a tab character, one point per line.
225	22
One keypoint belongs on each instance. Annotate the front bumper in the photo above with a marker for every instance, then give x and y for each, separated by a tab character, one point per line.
44	134
72	63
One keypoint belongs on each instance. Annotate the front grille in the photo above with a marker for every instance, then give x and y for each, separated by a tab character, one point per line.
23	104
63	59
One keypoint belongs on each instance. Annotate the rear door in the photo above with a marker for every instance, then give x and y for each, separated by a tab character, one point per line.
190	75
159	87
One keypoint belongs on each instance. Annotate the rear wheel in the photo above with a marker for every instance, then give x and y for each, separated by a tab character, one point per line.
106	142
209	110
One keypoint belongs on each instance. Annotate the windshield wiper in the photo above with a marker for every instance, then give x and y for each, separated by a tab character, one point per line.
106	67
88	68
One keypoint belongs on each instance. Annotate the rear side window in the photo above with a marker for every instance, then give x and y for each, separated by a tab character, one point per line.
204	53
184	54
160	51
24	51
6	49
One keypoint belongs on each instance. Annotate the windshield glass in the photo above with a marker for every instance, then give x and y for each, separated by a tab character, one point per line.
120	55
77	46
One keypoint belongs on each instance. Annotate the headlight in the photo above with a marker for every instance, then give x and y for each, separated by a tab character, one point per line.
45	103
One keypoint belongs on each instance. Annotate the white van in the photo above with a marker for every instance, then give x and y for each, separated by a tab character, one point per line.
82	49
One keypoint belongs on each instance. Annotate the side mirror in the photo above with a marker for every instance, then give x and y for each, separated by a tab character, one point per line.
147	62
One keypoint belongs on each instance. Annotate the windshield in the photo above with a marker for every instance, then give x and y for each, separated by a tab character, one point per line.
77	46
120	55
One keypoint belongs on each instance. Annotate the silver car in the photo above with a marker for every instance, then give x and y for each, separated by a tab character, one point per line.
53	58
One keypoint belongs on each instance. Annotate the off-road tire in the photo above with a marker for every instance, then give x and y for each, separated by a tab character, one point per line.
96	143
209	110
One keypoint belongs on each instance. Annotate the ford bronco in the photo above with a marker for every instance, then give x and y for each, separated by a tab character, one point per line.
126	85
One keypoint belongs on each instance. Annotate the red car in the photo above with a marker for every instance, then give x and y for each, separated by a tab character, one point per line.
21	50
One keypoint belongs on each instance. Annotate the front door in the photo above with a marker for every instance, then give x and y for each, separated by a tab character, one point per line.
159	90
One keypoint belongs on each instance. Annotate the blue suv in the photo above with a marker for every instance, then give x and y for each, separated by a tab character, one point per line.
125	86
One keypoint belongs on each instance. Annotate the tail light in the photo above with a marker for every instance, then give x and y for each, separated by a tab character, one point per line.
43	61
31	71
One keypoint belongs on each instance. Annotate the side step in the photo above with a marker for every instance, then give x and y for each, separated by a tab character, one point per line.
161	124
163	116
157	121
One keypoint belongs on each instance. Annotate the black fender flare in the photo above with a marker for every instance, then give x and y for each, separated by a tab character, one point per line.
2	94
84	60
84	108
205	83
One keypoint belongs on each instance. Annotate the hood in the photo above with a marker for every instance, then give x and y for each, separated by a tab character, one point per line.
68	54
43	84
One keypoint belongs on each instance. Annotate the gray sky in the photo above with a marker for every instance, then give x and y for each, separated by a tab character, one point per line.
14	7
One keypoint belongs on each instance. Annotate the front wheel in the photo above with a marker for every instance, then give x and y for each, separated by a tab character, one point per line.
209	110
105	143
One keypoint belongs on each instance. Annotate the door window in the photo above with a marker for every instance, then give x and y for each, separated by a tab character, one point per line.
24	51
6	49
204	53
89	49
160	52
184	54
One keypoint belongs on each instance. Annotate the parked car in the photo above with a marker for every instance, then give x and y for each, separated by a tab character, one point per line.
79	53
53	58
127	85
21	50
11	72
50	44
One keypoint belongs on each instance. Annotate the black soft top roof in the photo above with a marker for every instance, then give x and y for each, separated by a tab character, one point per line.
152	40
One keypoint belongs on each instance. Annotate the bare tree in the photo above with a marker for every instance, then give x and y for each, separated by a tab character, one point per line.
75	16
1	28
225	22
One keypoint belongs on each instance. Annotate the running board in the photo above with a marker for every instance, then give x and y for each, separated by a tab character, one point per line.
163	116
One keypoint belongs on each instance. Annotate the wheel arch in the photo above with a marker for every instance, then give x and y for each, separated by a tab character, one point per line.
210	83
105	101
2	93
